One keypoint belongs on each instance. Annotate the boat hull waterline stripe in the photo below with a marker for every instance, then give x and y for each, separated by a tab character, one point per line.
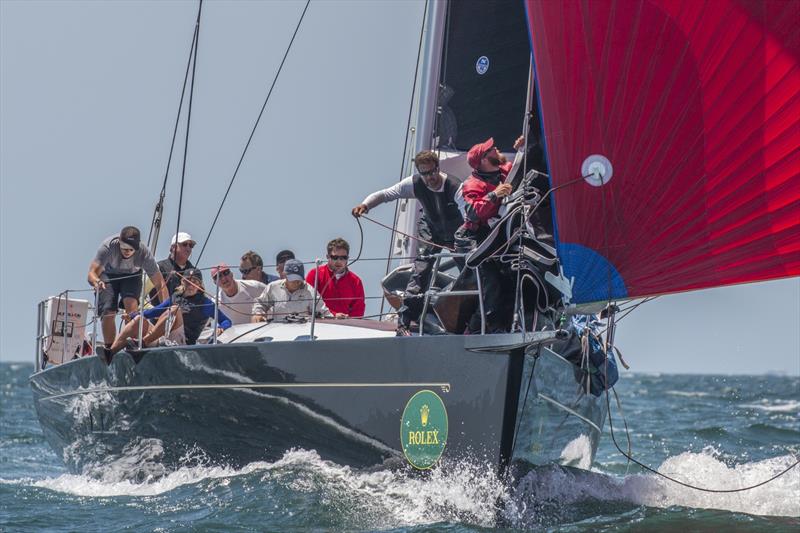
444	386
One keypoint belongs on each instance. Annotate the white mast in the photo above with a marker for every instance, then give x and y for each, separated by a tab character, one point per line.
422	126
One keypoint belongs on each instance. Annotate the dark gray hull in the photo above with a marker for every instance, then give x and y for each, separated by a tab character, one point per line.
240	403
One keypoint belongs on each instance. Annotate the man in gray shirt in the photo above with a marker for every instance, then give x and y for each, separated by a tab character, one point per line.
115	273
440	218
291	296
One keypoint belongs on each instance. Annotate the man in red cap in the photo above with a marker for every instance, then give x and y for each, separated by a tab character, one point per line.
482	191
480	198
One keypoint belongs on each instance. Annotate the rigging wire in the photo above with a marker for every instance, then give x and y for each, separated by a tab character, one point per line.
253	131
159	211
360	242
189	116
395	230
670	478
629	456
405	144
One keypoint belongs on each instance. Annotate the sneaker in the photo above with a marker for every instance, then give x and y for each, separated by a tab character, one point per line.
163	341
402	331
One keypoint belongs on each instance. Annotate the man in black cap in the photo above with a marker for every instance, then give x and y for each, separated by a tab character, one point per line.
441	217
115	273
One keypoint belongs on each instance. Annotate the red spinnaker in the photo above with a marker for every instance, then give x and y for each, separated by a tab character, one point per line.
696	106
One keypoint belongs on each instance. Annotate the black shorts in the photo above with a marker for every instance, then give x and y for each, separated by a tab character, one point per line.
118	287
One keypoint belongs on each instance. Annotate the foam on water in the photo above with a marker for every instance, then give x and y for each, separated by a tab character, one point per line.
452	492
778	407
687	394
541	488
464	492
778	498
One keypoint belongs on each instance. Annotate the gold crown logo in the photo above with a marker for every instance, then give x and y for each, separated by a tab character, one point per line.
423	413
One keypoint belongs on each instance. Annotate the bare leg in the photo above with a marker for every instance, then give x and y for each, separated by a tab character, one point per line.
129	331
161	326
109	326
131	304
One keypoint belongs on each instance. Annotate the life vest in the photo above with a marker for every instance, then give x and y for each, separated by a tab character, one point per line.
439	209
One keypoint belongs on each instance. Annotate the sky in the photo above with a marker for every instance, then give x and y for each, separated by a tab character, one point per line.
88	96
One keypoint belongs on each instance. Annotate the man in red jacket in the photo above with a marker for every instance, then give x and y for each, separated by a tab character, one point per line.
480	198
341	290
482	192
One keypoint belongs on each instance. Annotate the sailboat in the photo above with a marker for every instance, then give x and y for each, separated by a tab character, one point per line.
663	150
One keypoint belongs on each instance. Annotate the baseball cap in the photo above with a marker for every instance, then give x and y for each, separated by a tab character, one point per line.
130	235
193	273
222	267
181	238
294	270
476	152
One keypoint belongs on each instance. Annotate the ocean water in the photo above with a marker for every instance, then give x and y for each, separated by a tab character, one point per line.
716	431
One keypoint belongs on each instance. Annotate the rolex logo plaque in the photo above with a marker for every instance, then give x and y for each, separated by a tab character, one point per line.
423	429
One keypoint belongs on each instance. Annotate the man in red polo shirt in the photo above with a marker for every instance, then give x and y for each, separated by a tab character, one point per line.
341	290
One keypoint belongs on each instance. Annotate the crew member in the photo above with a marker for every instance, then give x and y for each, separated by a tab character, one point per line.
440	218
251	267
190	308
340	288
289	297
115	273
237	295
280	260
176	264
480	197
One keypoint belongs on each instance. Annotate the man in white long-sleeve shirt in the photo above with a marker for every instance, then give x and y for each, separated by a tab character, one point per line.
440	218
289	296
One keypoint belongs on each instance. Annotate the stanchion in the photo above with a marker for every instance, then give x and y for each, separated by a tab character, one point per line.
216	313
64	327
314	300
141	317
94	322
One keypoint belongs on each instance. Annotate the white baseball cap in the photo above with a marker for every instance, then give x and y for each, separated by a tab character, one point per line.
182	237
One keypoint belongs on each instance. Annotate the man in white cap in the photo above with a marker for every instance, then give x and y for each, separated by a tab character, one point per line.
178	261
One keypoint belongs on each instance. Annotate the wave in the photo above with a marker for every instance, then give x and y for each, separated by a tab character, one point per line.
766	430
455	492
688	394
539	488
779	406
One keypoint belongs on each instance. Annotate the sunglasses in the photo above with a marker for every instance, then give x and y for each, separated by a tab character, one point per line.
127	249
489	151
428	172
338	257
221	274
246	271
189	244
